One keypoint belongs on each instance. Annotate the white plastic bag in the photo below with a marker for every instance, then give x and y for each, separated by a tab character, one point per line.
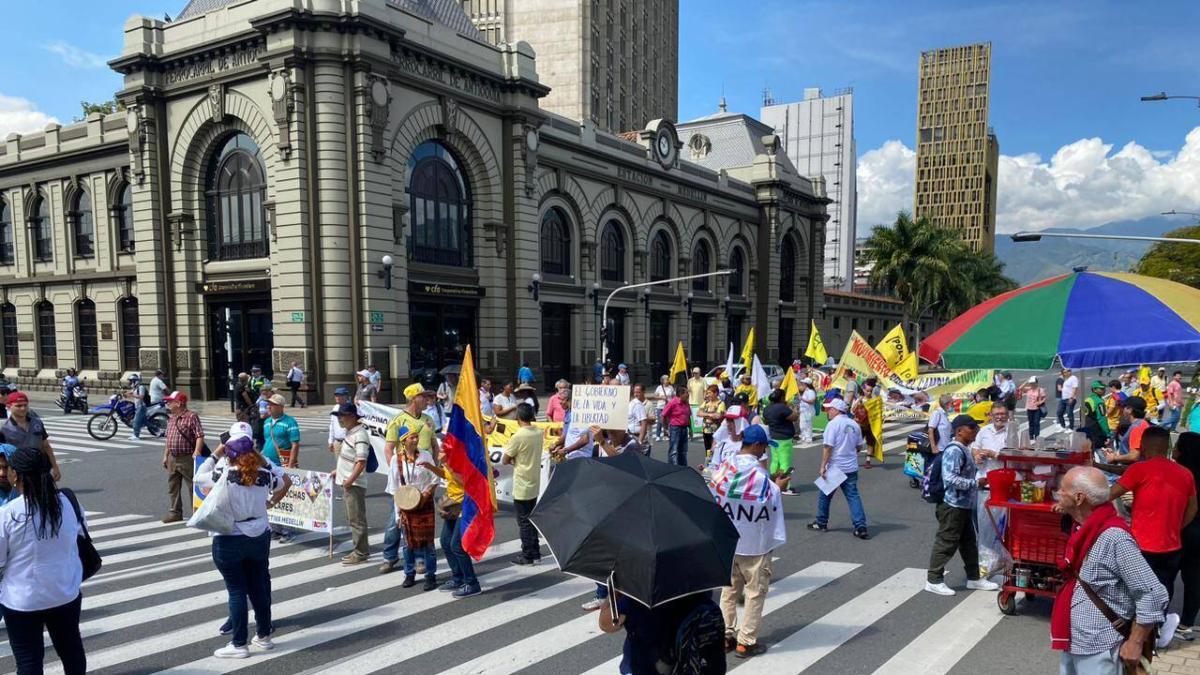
215	514
993	557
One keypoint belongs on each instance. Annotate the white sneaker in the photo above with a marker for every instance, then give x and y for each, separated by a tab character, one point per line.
982	585
1166	632
593	605
940	589
263	642
231	651
134	438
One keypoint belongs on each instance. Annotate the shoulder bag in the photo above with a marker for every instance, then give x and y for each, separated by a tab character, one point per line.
89	557
1124	627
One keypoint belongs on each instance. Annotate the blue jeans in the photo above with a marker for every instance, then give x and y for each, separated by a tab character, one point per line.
243	562
393	537
1066	409
1172	418
677	448
462	570
601	591
139	420
849	488
410	561
1035	422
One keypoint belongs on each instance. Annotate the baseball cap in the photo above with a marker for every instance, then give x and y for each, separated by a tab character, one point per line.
807	380
755	435
837	404
341	391
347	408
733	412
403	433
176	396
16	397
1097	384
364	373
622	367
255	367
276	400
240	429
963	421
1032	380
413	390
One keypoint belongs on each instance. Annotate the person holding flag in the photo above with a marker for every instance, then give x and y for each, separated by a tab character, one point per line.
468	509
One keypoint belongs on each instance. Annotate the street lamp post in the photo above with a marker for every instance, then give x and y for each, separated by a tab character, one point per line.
646	298
1020	237
1162	96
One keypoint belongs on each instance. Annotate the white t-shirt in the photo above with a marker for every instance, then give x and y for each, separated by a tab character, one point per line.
938	419
572	434
991	439
808	402
1070	385
403	472
665	393
504	401
249	502
637	413
723	451
158	390
758	518
38	573
845	437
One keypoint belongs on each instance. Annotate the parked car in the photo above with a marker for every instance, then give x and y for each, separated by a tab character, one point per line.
773	371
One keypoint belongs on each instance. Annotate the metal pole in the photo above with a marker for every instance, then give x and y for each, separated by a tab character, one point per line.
604	314
1034	236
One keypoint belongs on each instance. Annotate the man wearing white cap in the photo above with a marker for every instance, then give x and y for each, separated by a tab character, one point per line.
843	439
366	391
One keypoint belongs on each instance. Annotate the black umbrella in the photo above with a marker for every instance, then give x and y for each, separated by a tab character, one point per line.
453	369
654	527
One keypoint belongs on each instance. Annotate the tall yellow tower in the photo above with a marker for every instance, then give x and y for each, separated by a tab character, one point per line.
957	152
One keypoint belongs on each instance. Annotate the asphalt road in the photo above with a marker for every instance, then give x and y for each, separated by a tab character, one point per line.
837	604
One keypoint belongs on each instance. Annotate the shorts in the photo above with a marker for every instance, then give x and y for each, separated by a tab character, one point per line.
781	456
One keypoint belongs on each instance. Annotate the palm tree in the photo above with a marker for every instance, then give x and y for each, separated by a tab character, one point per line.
931	269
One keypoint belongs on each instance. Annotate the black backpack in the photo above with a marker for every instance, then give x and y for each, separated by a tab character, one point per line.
699	647
933	489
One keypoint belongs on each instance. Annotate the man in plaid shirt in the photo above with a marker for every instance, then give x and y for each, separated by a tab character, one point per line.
1101	553
185	440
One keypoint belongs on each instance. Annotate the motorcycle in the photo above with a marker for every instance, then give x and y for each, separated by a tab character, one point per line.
79	403
103	424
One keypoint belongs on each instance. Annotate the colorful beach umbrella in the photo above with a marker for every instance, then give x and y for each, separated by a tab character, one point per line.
1084	319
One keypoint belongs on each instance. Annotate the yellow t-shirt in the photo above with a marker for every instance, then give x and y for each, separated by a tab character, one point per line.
525	447
422	424
750	391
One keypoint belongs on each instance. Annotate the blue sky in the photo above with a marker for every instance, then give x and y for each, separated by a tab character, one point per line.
1079	148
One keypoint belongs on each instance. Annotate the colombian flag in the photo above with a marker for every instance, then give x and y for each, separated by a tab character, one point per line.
467	458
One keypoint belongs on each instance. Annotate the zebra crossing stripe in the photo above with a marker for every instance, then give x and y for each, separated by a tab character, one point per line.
135	649
536	648
810	644
154	524
108	520
140	570
948	640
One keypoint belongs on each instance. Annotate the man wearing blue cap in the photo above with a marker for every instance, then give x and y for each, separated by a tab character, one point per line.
336	432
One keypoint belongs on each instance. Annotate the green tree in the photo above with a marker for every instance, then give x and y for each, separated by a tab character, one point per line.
104	107
1174	261
931	269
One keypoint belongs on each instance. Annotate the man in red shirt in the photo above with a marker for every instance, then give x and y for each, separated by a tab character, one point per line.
677	416
1164	501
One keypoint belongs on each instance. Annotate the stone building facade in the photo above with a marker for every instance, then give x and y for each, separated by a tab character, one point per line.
368	182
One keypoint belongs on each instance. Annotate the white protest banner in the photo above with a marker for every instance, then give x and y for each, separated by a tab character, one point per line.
600	405
375	418
308	504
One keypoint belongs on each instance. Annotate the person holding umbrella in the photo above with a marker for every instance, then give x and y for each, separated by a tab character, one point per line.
753	503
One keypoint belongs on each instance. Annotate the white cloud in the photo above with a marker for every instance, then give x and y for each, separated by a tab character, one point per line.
885	184
74	56
1082	185
18	115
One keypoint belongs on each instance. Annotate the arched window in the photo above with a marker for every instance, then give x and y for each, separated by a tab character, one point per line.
787	270
47	346
123	217
83	225
8	253
701	264
439	207
89	347
556	243
612	253
131	336
737	263
8	326
39	226
236	188
660	257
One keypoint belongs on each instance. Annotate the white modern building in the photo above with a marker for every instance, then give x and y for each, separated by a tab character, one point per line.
818	136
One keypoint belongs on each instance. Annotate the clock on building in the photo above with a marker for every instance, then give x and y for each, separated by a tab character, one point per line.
665	144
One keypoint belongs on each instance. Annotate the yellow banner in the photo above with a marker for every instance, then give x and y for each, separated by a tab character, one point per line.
861	360
874	406
907	369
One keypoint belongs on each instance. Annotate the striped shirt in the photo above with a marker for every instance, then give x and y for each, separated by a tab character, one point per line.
1119	574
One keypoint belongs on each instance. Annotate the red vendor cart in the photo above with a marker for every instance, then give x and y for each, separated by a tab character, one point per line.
1034	536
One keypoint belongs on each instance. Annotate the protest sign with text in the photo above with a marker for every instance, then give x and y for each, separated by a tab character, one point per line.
600	405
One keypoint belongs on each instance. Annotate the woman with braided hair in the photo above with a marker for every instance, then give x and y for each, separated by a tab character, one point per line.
39	555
